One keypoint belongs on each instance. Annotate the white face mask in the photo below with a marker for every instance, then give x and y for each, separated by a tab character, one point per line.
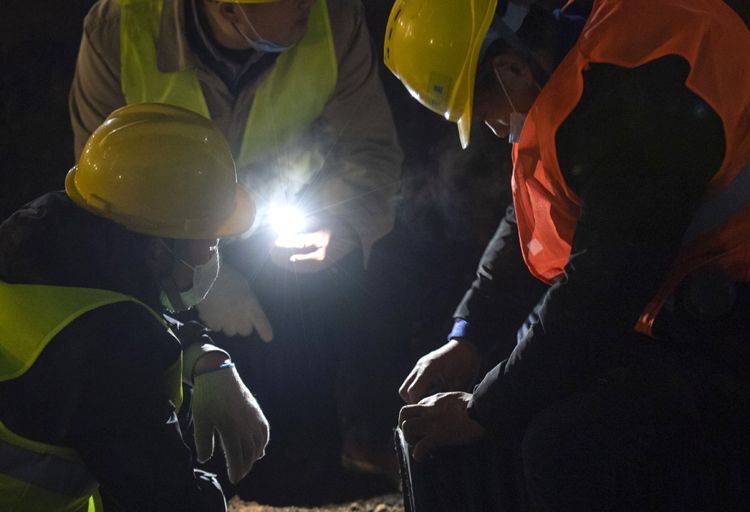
517	119
259	44
204	277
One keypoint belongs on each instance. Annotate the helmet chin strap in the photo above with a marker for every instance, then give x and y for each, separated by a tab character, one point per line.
517	119
168	283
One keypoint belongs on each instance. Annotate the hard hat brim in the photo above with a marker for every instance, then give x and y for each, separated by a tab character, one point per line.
464	122
243	216
239	221
465	119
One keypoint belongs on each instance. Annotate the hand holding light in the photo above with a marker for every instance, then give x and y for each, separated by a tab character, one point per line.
306	251
287	219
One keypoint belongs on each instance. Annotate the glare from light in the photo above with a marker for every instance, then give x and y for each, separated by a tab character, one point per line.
287	219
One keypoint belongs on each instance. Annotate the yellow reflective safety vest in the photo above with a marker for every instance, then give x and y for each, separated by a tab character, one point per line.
35	476
291	97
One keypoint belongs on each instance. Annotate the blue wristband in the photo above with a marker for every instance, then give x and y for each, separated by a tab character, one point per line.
222	366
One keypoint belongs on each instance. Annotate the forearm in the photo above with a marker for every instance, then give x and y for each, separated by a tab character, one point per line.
361	195
362	171
135	477
501	296
583	328
199	354
95	91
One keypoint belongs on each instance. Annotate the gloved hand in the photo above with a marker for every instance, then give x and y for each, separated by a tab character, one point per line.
222	403
232	307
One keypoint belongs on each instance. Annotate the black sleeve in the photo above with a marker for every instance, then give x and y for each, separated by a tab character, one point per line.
125	426
639	150
503	292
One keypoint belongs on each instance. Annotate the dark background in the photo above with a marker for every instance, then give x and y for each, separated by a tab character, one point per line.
451	200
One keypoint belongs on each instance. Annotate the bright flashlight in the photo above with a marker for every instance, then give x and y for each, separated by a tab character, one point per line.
287	219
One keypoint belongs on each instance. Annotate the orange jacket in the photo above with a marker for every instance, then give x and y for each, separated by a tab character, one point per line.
716	44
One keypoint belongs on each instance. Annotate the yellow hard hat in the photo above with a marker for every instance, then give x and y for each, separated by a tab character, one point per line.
163	171
433	47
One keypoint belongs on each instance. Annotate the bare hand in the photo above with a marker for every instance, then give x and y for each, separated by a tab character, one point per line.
439	420
452	367
313	251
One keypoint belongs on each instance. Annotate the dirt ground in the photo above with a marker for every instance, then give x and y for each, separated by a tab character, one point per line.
388	503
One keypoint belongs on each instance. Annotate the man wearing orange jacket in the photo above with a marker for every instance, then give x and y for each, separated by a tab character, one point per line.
631	185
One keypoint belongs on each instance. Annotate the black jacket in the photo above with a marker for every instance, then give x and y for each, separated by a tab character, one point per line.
639	150
96	386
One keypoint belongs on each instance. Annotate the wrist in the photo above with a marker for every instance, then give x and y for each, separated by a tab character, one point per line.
210	362
465	345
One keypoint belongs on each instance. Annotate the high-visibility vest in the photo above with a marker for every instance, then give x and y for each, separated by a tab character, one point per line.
35	476
291	97
713	39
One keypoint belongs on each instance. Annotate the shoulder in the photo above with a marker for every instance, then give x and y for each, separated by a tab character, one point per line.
101	27
103	16
346	10
347	18
124	335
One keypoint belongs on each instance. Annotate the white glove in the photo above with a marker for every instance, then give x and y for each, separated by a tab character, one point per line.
222	403
232	307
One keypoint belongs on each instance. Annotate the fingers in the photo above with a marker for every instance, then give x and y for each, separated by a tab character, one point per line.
261	323
419	387
303	241
415	429
424	447
243	321
408	412
261	437
403	391
203	433
306	251
316	255
250	453
421	429
232	446
417	384
231	307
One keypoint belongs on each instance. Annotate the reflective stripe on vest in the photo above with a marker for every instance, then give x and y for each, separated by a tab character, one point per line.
35	476
45	470
290	98
630	33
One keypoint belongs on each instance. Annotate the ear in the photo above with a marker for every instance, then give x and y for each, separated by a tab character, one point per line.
513	69
230	11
